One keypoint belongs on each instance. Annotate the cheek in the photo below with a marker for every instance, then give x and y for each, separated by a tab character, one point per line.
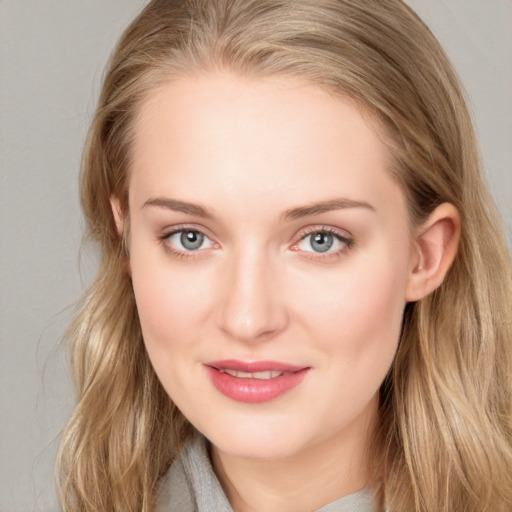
170	299
357	313
170	305
356	327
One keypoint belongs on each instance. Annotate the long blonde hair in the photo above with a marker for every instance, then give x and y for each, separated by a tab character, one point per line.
444	442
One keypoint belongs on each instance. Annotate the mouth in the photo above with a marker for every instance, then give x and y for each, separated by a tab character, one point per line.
254	382
270	374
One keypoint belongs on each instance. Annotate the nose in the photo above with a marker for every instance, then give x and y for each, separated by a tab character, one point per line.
251	308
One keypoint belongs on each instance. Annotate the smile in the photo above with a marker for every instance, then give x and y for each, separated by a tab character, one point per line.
254	382
271	374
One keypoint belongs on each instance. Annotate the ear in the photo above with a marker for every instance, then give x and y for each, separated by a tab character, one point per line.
120	221
117	212
436	244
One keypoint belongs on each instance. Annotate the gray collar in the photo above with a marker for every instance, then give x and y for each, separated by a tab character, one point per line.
191	486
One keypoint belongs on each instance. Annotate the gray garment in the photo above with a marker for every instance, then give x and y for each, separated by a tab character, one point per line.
191	486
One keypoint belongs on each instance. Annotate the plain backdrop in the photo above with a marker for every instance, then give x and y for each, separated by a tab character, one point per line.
52	53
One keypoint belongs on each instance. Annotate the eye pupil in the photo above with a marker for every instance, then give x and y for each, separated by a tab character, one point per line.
322	242
191	240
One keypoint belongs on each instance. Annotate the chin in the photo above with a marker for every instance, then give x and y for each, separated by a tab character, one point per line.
263	440
257	448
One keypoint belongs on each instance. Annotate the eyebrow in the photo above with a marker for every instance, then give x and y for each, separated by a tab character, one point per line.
291	214
179	206
324	206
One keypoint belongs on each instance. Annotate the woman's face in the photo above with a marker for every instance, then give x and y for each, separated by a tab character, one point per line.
270	253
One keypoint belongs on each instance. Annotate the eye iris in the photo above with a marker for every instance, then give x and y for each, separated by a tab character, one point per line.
322	242
191	240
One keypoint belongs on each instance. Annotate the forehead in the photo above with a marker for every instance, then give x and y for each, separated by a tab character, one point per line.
203	104
275	138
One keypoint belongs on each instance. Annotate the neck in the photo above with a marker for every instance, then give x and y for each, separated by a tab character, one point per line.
304	481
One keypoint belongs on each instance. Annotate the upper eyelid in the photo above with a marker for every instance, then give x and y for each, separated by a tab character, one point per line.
341	233
171	230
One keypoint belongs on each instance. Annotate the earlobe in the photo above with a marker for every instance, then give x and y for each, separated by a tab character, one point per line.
435	249
117	212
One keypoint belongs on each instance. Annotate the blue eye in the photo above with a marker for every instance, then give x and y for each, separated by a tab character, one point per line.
188	240
322	241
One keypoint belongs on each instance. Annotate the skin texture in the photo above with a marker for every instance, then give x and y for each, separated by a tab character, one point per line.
249	153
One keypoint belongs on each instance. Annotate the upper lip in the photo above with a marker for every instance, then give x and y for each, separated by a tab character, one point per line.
254	366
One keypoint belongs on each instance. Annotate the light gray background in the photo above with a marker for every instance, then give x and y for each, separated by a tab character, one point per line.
52	53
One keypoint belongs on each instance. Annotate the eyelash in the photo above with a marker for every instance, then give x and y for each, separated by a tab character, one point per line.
347	242
164	240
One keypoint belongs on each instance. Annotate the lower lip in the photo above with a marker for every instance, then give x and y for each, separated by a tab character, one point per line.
254	391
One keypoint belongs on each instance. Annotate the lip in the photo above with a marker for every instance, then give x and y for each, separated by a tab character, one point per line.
254	390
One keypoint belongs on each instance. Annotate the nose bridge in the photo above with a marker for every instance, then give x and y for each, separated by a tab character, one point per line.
252	309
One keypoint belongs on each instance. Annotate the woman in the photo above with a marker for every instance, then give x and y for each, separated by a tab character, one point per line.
296	307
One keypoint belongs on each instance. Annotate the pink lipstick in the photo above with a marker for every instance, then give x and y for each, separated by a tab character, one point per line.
254	382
